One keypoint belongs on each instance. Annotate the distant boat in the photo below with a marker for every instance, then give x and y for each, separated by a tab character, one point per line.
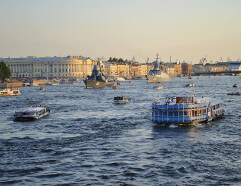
191	85
97	79
234	94
10	92
159	87
76	82
119	78
121	99
156	75
26	84
235	85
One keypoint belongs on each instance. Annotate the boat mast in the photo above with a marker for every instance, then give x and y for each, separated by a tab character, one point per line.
157	57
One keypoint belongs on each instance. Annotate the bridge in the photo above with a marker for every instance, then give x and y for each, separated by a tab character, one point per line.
222	73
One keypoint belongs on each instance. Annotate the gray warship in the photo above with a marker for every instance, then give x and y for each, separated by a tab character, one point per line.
97	79
156	75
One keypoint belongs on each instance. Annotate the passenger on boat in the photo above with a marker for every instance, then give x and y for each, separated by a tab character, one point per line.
168	101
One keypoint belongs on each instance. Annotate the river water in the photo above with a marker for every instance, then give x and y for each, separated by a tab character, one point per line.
88	140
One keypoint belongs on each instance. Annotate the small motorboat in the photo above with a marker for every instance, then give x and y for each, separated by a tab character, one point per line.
159	87
32	112
121	99
42	88
191	85
235	85
234	94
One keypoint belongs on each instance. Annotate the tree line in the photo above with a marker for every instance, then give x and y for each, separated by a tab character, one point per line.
119	60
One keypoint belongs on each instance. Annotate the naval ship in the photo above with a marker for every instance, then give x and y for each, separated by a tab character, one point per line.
97	79
156	75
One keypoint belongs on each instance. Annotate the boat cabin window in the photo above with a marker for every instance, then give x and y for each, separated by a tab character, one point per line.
18	113
184	99
118	98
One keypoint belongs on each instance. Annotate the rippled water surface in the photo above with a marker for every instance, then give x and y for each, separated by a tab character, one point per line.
88	140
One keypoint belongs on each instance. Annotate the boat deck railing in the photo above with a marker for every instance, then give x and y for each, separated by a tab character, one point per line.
179	112
162	105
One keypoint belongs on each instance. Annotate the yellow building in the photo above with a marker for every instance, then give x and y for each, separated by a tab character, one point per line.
144	69
111	69
218	68
50	67
123	70
169	68
135	70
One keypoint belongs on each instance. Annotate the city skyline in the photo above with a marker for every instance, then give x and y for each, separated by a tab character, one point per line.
186	30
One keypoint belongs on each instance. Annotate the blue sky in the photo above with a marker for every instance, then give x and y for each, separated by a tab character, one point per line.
184	29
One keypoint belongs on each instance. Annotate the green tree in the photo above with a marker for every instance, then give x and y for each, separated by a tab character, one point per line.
120	60
4	71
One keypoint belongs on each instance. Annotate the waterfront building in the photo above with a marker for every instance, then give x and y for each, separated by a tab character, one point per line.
144	69
49	67
234	66
135	70
186	68
169	68
178	68
218	68
123	70
111	69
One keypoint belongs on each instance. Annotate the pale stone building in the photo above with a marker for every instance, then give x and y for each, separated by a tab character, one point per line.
111	69
49	67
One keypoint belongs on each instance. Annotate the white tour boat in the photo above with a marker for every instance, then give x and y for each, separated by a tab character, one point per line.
10	92
31	113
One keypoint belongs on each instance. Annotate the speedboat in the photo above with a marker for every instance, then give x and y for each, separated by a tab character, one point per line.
10	92
185	110
159	87
191	85
121	99
235	85
32	112
234	94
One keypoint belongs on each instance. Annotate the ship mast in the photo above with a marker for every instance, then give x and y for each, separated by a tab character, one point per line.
157	57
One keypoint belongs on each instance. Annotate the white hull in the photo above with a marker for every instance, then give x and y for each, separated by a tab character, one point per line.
163	77
31	113
10	92
121	101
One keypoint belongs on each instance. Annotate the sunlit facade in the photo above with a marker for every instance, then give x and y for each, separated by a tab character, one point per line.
49	67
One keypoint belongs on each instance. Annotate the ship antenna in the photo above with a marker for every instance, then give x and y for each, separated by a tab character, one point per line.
157	56
147	60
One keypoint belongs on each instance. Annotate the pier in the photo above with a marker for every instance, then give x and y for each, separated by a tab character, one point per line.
221	73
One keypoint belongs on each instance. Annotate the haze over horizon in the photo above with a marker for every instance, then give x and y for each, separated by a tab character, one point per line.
183	29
